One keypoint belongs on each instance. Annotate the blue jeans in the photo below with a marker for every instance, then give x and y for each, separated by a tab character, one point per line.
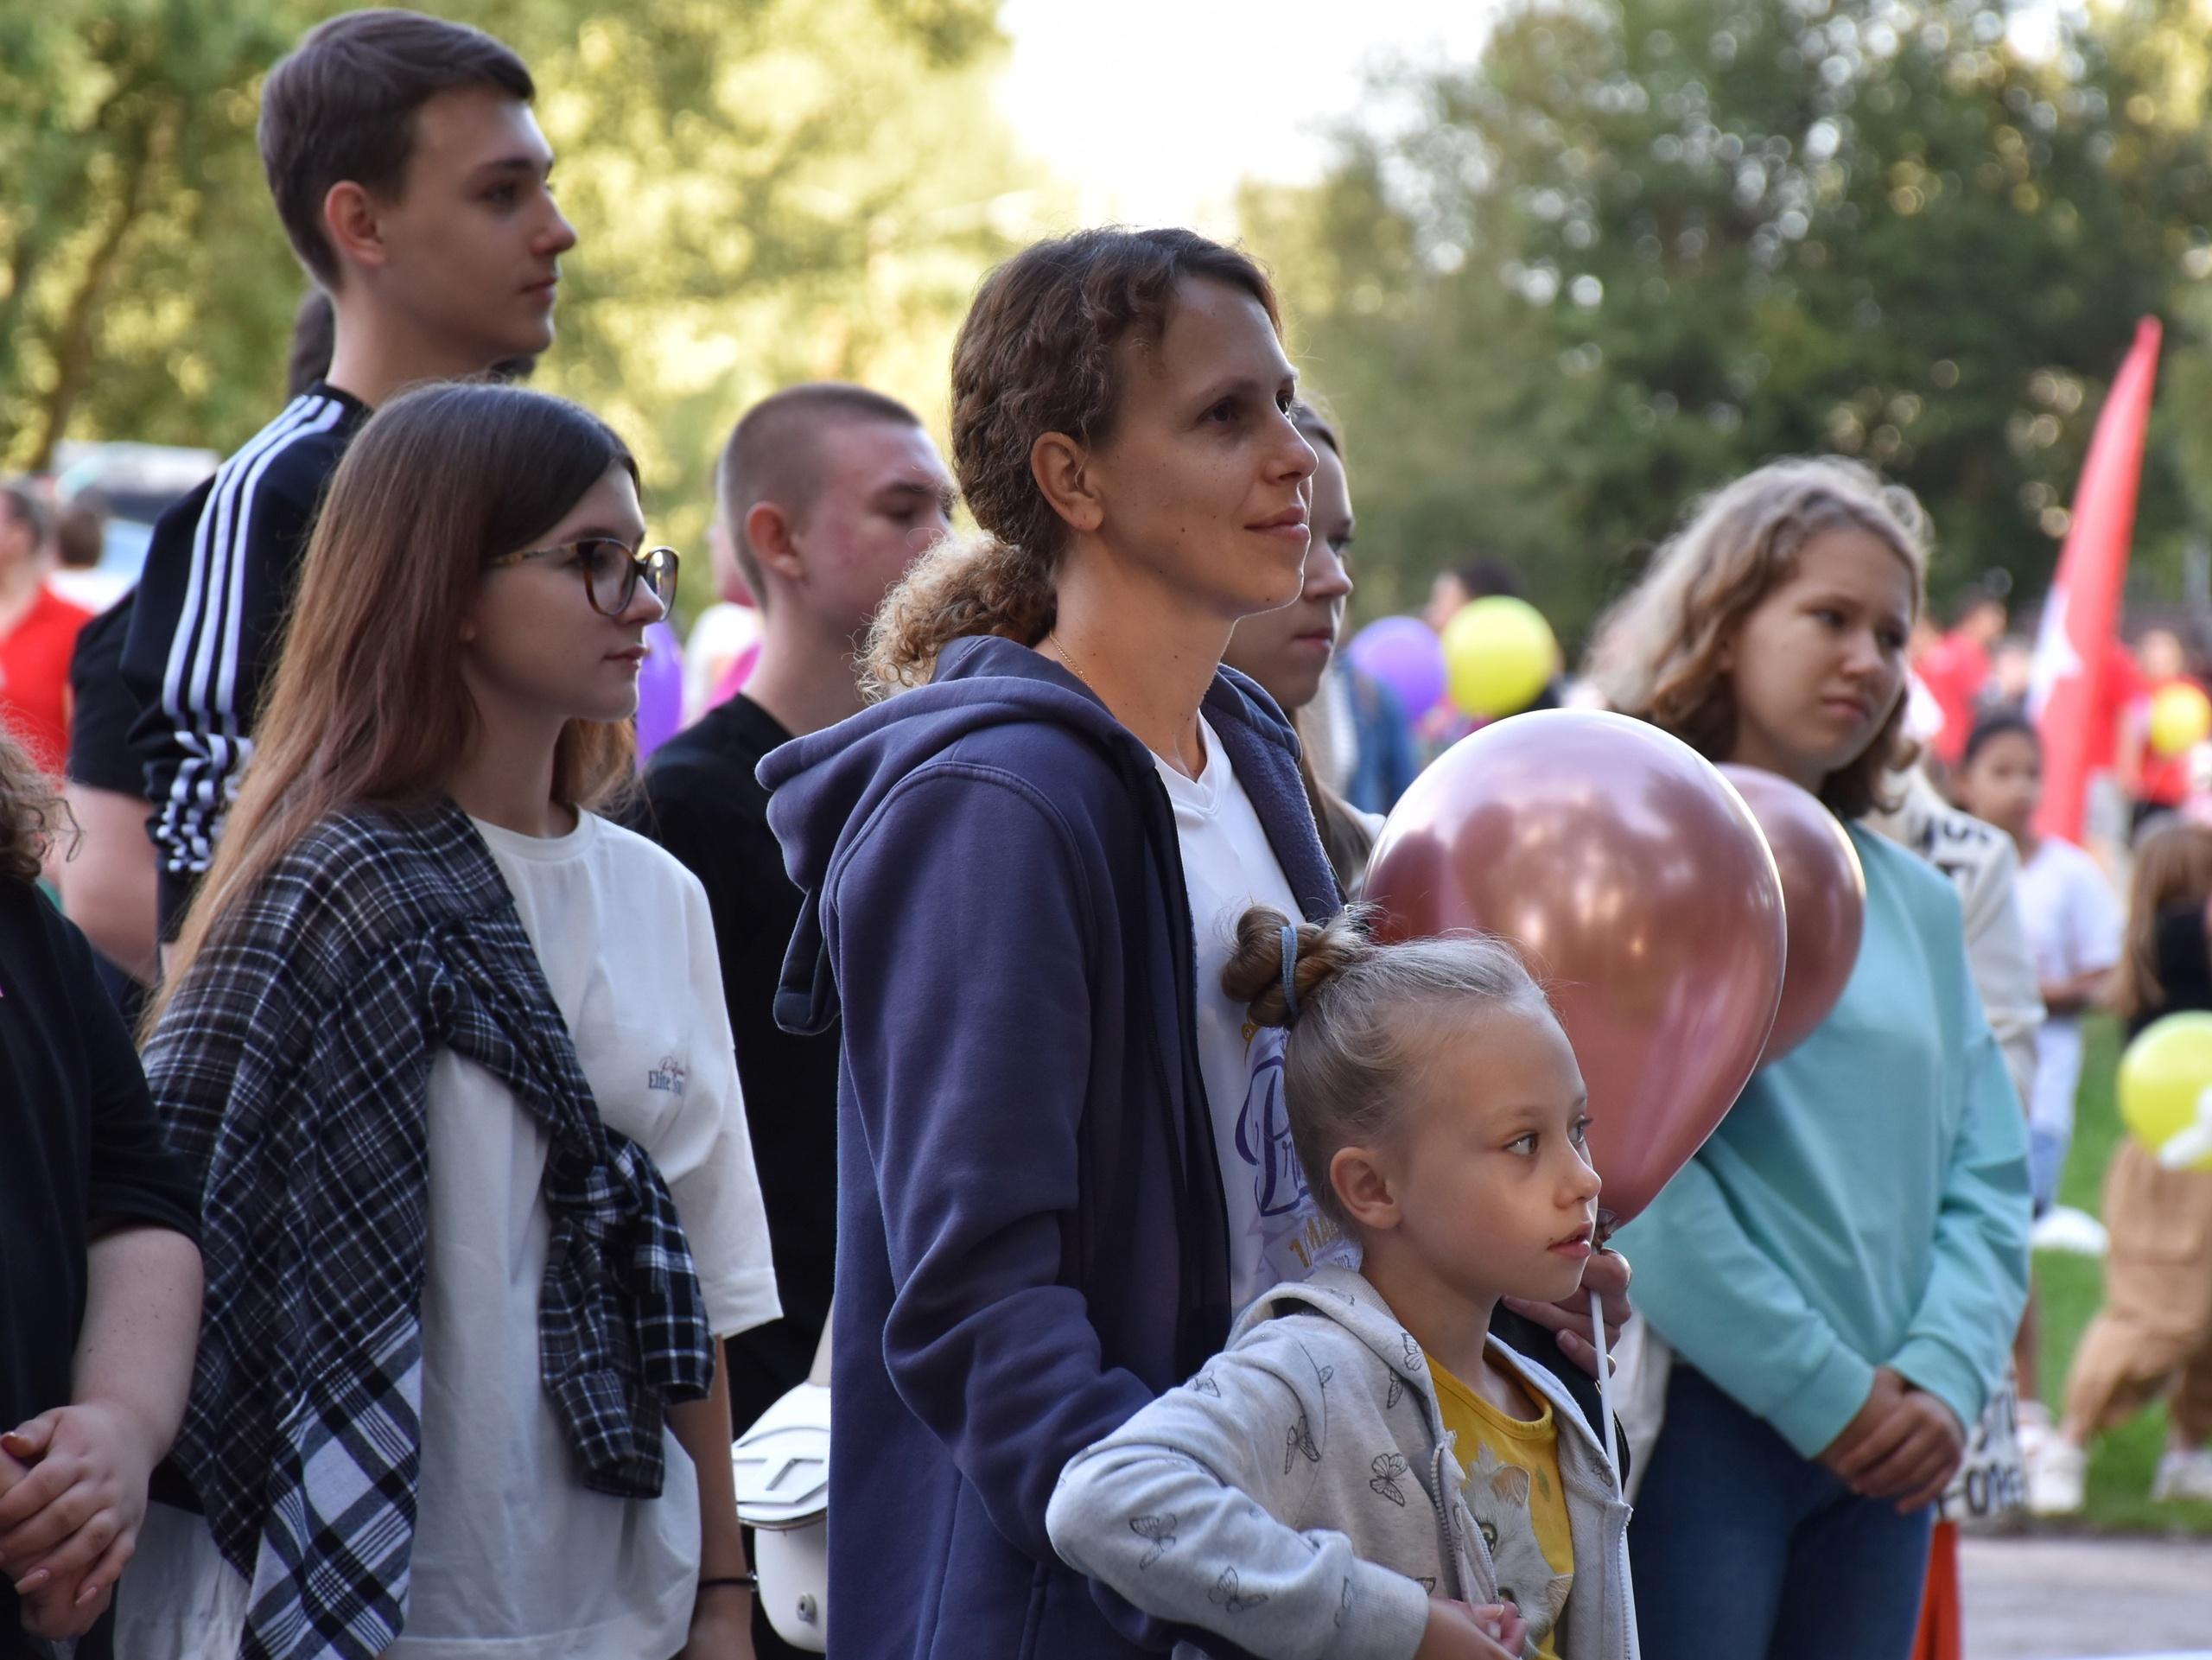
1742	1550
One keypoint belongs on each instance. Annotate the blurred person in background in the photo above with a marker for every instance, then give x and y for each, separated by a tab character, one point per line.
2161	781
832	490
724	642
2073	926
1955	667
2152	1336
38	631
80	539
99	1274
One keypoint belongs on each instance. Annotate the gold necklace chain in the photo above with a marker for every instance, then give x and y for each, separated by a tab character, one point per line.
1060	650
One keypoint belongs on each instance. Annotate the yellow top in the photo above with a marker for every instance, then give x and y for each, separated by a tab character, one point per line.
1513	1491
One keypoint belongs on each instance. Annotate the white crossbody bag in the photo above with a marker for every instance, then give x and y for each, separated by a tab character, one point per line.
781	1467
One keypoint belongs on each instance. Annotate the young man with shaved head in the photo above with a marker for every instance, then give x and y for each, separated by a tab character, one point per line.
829	492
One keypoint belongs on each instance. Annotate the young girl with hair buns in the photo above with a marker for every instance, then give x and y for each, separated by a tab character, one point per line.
1366	1470
1840	1269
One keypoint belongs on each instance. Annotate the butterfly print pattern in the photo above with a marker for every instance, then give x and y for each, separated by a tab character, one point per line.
1388	1467
1228	1595
1159	1531
1300	1440
1204	1384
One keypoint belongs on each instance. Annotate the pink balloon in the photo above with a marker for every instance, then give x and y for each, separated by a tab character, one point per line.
1823	895
1638	888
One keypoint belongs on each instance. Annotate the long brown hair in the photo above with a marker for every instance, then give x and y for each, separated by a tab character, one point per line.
1660	649
2173	866
368	707
30	812
1039	352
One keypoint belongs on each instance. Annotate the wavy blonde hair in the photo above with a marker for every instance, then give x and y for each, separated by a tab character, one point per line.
1039	351
1660	652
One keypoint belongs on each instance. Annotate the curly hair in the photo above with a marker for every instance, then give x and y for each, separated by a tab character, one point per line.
1039	353
1661	652
31	813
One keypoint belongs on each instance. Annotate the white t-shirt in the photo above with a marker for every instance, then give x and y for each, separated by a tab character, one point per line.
2074	927
514	1555
1275	1233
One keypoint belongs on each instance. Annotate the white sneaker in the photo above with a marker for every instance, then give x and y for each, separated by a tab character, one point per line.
2183	1473
2055	1486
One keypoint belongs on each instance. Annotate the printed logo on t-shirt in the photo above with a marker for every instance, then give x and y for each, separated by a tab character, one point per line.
670	1075
1295	1238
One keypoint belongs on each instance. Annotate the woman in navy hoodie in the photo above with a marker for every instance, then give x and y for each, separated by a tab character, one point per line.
1016	876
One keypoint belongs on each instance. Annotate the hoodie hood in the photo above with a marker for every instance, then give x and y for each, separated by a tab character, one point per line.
824	788
1346	1298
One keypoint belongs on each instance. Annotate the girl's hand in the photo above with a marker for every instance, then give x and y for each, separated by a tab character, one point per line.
722	1625
74	1519
1455	1631
1607	1274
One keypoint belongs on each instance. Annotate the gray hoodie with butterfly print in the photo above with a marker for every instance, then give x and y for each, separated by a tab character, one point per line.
1291	1496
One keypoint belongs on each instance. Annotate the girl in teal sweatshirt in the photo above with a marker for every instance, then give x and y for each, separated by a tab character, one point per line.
1840	1269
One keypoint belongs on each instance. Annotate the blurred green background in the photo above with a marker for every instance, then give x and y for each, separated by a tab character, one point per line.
1552	292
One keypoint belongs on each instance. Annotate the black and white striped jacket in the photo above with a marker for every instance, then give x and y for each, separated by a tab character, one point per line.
208	622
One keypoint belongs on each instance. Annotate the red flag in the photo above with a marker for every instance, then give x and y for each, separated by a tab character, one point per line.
2067	695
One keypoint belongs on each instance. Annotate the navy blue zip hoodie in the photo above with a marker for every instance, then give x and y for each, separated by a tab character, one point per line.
1032	1239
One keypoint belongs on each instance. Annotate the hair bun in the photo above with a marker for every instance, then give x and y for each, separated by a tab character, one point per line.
1254	975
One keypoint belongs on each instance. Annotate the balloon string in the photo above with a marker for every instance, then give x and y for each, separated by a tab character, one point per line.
1604	1380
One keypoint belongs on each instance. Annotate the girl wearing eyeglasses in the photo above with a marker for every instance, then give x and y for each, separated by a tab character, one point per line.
449	1052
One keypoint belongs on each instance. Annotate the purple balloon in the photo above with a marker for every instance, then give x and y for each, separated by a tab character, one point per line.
1405	655
660	690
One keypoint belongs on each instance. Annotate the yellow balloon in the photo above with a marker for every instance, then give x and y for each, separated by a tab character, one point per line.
1498	655
2181	718
2165	1091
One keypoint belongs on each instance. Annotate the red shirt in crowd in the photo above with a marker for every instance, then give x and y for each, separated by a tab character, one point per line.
1954	669
35	676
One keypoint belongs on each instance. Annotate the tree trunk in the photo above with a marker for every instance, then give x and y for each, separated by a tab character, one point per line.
72	339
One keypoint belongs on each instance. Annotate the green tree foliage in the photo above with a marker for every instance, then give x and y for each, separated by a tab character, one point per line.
1644	245
764	191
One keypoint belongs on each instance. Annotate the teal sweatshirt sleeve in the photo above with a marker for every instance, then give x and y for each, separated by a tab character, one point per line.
1725	1305
1962	1333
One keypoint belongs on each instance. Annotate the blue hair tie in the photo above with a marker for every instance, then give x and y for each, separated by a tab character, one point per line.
1289	972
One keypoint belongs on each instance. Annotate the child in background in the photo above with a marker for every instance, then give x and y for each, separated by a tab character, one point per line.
2074	927
2155	1329
1364	1460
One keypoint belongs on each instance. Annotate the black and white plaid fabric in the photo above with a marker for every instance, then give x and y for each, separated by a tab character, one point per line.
293	1065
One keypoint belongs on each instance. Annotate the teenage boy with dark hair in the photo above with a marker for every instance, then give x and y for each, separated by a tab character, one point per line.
411	176
829	492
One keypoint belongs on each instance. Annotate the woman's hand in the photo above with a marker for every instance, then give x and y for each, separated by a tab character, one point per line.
721	1625
74	1519
1607	1274
1904	1444
1455	1631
